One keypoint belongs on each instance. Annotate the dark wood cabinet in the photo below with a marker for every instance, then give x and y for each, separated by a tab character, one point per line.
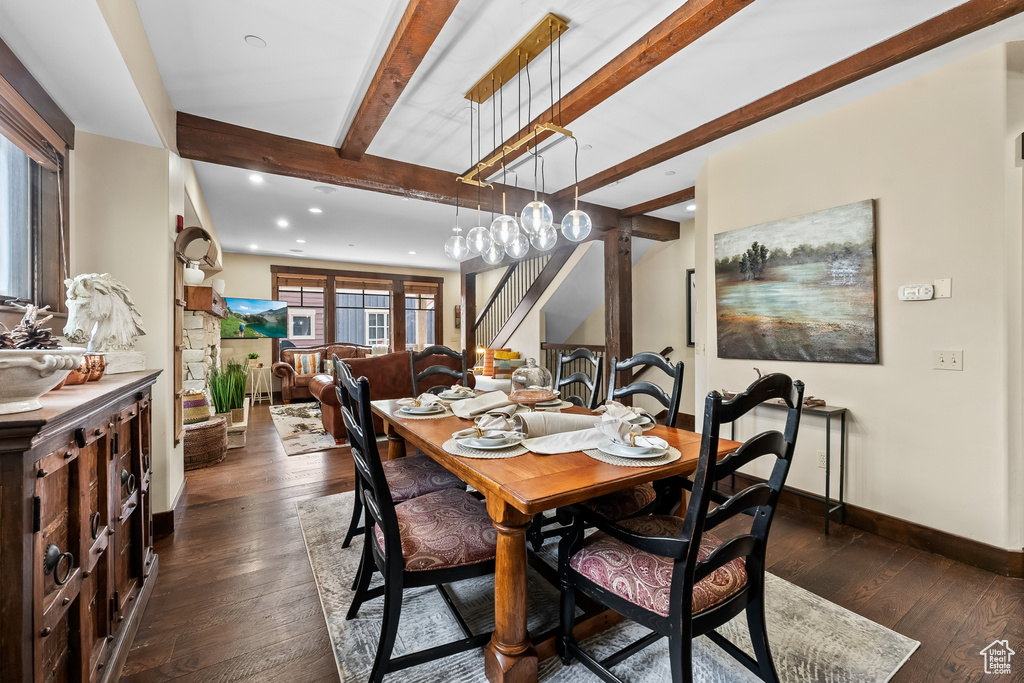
76	556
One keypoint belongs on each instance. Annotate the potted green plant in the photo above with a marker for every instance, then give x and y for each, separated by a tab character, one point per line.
227	388
253	357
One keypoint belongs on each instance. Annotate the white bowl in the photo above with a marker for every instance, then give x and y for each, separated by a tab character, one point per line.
25	375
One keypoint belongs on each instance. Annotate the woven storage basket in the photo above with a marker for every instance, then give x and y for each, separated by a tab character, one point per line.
205	443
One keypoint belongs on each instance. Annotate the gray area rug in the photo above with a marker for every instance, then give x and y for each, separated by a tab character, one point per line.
300	428
812	639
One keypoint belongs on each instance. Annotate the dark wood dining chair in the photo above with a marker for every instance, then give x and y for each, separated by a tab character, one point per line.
408	477
437	350
672	575
643	361
591	379
431	540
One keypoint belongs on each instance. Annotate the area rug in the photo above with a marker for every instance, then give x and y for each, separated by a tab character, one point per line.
300	428
812	639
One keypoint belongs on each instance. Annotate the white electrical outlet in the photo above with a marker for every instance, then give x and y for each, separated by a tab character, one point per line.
948	359
821	459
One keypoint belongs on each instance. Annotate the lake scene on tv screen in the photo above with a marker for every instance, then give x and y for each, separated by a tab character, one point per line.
254	318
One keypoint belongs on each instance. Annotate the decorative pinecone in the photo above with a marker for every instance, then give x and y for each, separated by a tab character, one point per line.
5	338
30	334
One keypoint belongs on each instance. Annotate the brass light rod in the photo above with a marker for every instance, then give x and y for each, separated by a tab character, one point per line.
472	178
534	43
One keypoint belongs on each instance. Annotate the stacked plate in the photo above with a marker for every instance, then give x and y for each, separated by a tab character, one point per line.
452	396
432	409
487	443
609	447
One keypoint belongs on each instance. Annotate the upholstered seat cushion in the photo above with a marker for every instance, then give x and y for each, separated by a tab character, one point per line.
418	475
645	579
622	504
448	528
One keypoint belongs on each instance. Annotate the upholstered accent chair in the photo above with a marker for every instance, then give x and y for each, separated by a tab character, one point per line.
673	575
430	540
295	385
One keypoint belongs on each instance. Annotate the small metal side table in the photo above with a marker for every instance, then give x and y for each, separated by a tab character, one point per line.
828	412
261	389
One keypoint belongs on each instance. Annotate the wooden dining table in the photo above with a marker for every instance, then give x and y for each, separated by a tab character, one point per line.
515	489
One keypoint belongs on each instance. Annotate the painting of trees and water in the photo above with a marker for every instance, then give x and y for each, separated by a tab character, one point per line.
800	288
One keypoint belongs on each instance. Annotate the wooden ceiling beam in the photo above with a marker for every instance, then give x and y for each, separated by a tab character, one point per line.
216	142
419	26
681	28
671	199
960	21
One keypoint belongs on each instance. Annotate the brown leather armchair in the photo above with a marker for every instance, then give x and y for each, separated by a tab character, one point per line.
295	386
389	377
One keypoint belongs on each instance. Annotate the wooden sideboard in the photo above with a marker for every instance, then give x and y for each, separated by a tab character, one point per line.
76	554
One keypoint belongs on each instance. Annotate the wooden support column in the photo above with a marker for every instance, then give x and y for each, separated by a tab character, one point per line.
398	338
618	298
469	316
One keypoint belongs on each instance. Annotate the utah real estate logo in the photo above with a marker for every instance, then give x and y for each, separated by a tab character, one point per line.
997	657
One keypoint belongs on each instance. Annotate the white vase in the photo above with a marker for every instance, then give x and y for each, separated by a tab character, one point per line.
194	276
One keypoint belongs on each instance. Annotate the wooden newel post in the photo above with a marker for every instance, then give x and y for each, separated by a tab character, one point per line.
469	316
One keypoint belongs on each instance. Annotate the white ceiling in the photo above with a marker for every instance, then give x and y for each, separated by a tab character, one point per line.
320	54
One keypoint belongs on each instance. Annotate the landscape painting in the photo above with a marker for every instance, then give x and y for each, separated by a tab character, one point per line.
800	288
254	318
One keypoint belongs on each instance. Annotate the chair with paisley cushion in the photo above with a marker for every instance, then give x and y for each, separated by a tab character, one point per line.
672	575
420	373
431	540
407	478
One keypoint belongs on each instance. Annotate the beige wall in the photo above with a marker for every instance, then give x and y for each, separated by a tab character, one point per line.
659	312
124	197
247	275
938	448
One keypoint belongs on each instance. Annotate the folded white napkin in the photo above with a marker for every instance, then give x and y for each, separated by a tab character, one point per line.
552	433
457	388
421	401
471	407
626	434
487	423
502	411
617	410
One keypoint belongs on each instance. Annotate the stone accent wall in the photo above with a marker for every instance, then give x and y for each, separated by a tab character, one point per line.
201	336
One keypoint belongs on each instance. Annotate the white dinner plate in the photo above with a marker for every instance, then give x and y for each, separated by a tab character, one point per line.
623	451
641	420
422	410
548	404
448	395
489	444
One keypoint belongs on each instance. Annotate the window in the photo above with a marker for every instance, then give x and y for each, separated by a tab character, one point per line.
420	331
305	299
15	223
302	323
377	331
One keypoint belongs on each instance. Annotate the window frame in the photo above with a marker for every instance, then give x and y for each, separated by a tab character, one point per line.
308	313
367	312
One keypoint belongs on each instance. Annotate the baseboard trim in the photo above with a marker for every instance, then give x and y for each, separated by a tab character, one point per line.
163	522
989	557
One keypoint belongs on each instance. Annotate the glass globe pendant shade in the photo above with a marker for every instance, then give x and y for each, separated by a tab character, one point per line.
493	254
504	229
457	248
536	216
544	238
576	225
479	239
518	247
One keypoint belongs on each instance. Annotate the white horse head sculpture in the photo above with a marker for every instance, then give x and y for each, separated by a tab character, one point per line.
102	303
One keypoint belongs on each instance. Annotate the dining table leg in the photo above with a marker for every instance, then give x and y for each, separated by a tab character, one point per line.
396	444
509	657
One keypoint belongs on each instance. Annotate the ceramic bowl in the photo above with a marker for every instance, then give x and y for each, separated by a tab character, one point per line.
25	375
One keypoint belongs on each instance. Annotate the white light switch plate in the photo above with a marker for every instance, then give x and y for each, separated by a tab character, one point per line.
944	288
948	359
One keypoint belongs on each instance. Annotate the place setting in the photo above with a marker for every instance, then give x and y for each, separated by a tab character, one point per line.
493	436
625	446
634	415
423	407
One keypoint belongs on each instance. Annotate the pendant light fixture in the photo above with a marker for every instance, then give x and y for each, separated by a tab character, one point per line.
457	248
504	228
576	224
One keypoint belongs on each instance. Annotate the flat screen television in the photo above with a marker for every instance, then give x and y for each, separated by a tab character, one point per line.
254	319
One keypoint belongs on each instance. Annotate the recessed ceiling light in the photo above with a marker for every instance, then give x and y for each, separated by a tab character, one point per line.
255	41
587	148
301	241
254	246
405	199
326	189
691	207
670	172
256	178
351	245
314	209
295	251
282	223
413	253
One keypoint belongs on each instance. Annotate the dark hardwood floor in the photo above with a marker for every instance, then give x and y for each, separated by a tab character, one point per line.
235	598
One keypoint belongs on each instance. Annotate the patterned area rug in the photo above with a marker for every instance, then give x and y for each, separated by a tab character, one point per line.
812	638
300	428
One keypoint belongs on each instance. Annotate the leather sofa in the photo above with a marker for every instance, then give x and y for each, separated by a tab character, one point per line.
390	376
295	386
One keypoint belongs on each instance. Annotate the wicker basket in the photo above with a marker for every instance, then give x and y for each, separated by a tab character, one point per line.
205	443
